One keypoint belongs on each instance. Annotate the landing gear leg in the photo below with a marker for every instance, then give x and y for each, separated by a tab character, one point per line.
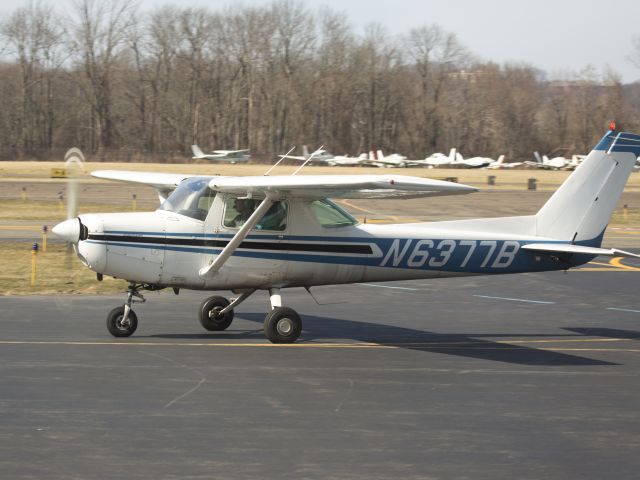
123	321
282	324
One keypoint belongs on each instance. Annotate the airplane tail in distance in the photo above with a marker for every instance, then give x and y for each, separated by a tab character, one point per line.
536	155
380	155
195	149
500	159
452	155
305	151
580	209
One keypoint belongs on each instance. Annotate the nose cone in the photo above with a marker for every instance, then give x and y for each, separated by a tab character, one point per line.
69	230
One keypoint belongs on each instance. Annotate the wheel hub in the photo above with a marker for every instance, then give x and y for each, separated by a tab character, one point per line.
123	324
285	326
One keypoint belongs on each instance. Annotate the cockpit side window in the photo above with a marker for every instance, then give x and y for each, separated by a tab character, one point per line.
238	210
193	198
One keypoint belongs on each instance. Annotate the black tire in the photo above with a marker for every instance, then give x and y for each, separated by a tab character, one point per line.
282	325
210	319
115	325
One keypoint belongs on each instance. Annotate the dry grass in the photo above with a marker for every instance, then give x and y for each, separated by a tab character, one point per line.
56	272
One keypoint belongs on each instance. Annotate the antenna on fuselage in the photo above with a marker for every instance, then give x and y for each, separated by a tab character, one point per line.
282	157
308	160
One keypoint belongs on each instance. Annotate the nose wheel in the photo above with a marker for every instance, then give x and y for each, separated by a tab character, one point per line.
123	321
118	325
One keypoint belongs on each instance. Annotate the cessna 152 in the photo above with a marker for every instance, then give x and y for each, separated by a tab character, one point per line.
274	232
231	156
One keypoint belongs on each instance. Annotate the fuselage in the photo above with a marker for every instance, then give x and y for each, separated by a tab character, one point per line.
168	249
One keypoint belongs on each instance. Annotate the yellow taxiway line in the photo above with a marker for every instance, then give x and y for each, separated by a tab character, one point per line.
470	345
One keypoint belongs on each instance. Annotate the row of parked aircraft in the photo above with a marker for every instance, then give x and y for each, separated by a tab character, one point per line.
379	159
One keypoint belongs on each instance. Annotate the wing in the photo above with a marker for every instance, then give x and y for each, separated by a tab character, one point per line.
164	183
339	186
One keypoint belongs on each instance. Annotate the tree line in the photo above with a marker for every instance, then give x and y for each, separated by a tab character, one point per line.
121	83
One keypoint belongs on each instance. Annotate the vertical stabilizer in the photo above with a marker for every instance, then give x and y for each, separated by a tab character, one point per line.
197	153
580	209
452	155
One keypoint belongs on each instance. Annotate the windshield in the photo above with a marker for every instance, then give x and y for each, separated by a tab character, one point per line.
192	198
331	215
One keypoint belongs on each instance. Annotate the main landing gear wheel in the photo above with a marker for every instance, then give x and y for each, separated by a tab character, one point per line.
282	325
118	326
211	318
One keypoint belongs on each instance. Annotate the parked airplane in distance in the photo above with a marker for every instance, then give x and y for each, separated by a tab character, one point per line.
501	164
347	161
440	159
546	163
231	156
379	159
473	162
320	157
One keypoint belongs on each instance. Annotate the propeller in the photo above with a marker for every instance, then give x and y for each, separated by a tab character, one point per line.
72	230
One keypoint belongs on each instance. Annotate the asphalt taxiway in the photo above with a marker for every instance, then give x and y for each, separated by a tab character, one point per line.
527	376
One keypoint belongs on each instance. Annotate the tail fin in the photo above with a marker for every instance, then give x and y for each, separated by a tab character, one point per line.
197	153
305	151
580	209
500	159
380	155
452	155
536	155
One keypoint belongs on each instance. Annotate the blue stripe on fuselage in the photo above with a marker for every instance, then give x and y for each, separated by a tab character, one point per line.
470	256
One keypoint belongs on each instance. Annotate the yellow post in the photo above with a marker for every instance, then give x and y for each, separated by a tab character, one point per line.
625	212
134	203
44	238
34	254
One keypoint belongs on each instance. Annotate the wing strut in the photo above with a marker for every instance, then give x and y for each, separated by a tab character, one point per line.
237	239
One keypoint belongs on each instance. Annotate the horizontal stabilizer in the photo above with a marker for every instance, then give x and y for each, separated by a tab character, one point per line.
580	249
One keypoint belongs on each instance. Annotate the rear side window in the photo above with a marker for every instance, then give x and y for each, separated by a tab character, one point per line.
330	215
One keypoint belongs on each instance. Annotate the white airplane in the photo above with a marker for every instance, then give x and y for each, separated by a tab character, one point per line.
379	159
575	162
473	162
546	163
320	156
231	156
501	164
247	234
440	159
347	161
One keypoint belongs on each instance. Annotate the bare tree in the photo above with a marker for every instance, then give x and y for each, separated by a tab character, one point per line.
100	32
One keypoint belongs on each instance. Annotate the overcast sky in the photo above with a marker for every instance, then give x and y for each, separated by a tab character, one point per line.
558	36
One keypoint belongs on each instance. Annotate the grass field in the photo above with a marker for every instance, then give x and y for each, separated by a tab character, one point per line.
57	271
